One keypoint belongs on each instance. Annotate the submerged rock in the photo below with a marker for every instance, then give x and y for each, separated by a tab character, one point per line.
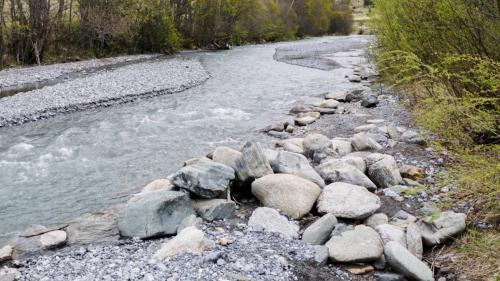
270	220
207	179
347	201
291	194
363	244
156	214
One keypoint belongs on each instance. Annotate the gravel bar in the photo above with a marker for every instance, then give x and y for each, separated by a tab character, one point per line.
22	75
120	85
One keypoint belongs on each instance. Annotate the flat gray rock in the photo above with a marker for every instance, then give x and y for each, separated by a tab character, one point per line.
319	231
206	178
291	194
345	200
157	214
96	227
297	164
270	220
414	242
363	244
390	232
402	261
338	170
214	209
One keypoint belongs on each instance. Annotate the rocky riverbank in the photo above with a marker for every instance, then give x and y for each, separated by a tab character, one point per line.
336	199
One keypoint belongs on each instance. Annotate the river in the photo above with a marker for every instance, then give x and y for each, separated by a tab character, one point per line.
57	169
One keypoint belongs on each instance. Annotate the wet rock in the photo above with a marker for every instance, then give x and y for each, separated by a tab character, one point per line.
363	244
348	201
207	179
5	253
304	121
414	240
291	194
338	170
159	184
361	142
156	214
411	136
329	104
297	164
300	109
325	111
448	224
402	261
189	240
341	146
319	231
317	147
97	227
411	172
253	163
365	128
53	239
270	220
188	221
276	127
377	219
338	96
390	232
214	209
226	156
384	172
321	255
370	101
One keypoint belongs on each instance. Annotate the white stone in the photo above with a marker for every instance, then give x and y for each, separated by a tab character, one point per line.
363	244
270	220
402	261
189	240
53	238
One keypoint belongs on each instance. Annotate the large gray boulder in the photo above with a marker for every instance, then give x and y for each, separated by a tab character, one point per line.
226	155
363	141
297	164
214	209
317	147
402	261
253	163
338	170
345	200
270	220
95	227
385	172
319	231
207	179
363	244
291	194
155	214
447	225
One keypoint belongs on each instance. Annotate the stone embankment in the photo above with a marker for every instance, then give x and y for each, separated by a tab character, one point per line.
313	208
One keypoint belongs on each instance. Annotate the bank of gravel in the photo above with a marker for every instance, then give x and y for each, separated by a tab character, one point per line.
120	85
22	75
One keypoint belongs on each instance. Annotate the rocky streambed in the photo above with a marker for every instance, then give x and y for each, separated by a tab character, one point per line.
342	192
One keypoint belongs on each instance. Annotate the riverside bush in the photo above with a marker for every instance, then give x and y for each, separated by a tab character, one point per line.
443	58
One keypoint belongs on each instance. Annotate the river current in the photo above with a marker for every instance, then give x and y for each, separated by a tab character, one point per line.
57	169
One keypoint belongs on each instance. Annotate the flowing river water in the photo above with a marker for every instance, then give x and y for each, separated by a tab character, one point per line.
57	169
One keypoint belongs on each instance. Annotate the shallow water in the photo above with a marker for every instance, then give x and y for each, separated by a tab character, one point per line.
56	169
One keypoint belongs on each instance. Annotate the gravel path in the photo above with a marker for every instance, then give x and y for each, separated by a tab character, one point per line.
251	255
22	75
117	86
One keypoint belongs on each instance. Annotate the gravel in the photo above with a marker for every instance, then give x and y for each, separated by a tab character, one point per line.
22	75
121	85
250	255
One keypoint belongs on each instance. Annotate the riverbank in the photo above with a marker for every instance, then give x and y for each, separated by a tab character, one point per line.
365	139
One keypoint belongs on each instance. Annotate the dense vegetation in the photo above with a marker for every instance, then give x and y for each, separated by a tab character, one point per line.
444	57
36	31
